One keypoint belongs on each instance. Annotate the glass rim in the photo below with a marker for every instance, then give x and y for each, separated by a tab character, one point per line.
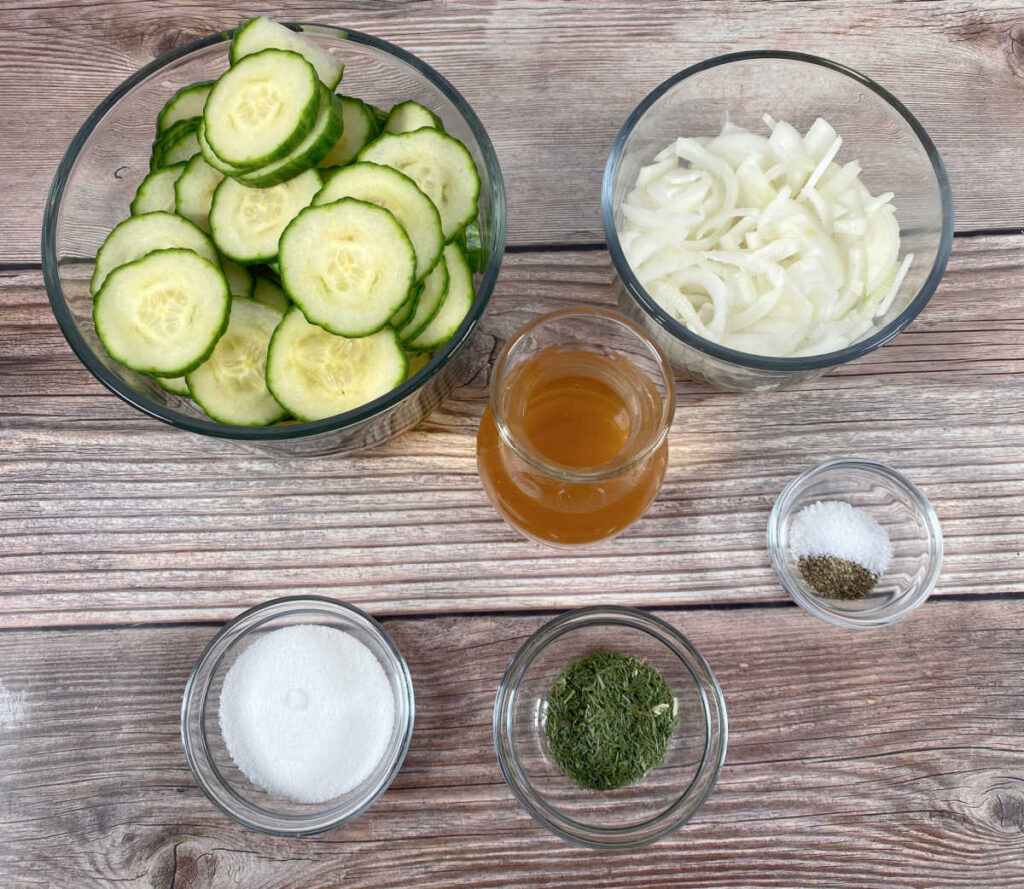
748	359
777	539
196	693
716	726
296	430
611	468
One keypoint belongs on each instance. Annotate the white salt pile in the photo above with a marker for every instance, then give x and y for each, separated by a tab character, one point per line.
306	712
835	528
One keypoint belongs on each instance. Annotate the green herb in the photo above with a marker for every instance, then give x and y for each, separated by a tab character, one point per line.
836	578
609	720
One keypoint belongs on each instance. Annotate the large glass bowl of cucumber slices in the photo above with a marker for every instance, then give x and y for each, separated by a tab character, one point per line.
283	235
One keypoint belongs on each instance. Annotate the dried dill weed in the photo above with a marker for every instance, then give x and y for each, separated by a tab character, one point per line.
609	720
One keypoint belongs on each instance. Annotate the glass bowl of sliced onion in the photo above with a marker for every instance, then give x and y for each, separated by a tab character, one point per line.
772	215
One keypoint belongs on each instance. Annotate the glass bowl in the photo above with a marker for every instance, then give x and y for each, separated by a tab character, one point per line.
109	157
214	770
898	506
895	152
632	816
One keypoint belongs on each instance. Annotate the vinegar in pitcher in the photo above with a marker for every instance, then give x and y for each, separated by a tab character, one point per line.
574	465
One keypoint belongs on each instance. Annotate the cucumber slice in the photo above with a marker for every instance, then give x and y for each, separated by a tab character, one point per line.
359	128
174	385
210	156
231	385
473	246
156	191
173	134
348	265
193	191
162	314
455	307
261	33
430	298
314	374
246	223
261	108
267	292
440	165
181	149
397	193
309	152
408	116
186	103
406	309
240	280
142	234
417	361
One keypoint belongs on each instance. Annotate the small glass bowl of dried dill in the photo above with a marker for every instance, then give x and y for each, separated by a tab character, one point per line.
855	543
610	727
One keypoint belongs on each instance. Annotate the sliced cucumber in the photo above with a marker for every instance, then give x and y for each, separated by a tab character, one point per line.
174	385
210	156
267	292
348	265
142	234
246	223
455	307
397	193
181	149
186	103
309	152
175	132
231	385
429	300
261	108
359	128
417	361
473	246
156	191
261	33
240	280
315	374
406	309
162	314
193	191
440	165
408	116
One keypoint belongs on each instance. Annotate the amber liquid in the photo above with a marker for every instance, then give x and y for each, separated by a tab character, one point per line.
575	410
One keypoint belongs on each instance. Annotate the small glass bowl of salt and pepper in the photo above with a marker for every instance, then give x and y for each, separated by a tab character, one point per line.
855	543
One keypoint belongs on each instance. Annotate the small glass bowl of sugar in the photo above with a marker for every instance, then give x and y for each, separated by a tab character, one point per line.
851	501
297	715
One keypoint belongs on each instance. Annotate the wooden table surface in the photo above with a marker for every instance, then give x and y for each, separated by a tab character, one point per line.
891	758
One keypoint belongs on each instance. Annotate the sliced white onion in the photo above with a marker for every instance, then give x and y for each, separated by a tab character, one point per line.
764	244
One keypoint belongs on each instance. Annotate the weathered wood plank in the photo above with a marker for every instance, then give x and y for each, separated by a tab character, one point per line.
552	82
108	516
891	758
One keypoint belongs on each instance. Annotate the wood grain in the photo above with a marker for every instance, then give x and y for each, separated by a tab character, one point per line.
891	758
110	517
552	82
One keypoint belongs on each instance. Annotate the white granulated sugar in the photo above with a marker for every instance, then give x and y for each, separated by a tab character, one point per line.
835	528
306	712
